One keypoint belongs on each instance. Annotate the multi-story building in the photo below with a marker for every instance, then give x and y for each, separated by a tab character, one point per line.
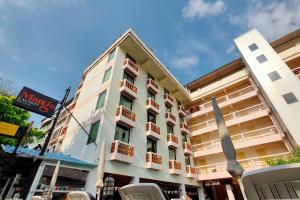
158	131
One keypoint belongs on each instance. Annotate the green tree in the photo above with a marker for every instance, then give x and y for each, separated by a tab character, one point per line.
293	158
12	114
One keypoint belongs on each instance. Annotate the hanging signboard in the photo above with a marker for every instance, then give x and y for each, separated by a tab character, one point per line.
33	101
8	129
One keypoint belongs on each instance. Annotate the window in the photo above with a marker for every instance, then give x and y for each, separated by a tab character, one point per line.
168	109
106	75
274	76
181	119
184	138
178	103
170	129
261	59
128	77
150	95
290	98
172	154
111	55
124	101
93	132
101	100
187	160
253	47
150	76
151	146
166	91
151	118
130	58
122	133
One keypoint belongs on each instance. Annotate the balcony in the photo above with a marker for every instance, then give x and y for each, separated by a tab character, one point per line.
122	151
170	118
128	89
153	131
237	117
130	67
181	111
169	100
297	71
191	172
152	86
184	128
187	149
125	117
174	167
152	106
172	141
218	170
153	161
242	140
224	101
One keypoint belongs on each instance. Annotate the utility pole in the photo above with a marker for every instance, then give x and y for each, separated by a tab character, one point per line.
22	136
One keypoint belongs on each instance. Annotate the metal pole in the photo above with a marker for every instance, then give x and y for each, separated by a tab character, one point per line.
22	136
54	122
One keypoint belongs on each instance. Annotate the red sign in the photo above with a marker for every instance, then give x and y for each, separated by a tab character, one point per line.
31	100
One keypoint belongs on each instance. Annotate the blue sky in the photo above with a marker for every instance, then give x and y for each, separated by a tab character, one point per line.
46	44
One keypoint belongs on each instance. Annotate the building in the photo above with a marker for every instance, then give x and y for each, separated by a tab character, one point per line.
157	130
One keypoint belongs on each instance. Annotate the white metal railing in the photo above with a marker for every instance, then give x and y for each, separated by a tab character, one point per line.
230	116
227	97
257	162
242	137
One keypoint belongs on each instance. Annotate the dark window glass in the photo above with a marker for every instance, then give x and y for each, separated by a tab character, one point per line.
111	55
131	58
150	95
172	154
93	132
261	59
124	101
122	133
151	146
178	103
184	138
170	129
128	77
274	76
106	75
168	109
150	76
253	47
187	160
290	98
166	91
101	100
181	119
151	117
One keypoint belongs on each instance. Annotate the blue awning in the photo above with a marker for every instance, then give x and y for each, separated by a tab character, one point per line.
30	153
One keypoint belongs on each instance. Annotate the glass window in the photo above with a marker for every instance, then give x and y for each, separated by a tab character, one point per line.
106	75
168	109
253	47
290	98
172	154
122	133
261	59
151	146
170	129
181	119
101	100
150	76
128	77
151	117
274	76
124	101
111	55
187	160
150	95
93	132
184	138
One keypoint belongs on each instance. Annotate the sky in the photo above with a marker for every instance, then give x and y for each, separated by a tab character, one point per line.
47	44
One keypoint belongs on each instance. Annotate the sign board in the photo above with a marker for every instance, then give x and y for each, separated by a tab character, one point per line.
33	101
8	129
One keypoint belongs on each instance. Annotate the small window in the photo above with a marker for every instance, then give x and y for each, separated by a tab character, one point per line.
170	129
93	132
290	98
172	154
168	109
151	118
106	75
126	102
187	160
101	100
184	138
128	77
111	55
122	133
150	95
151	145
261	58
253	47
181	119
274	76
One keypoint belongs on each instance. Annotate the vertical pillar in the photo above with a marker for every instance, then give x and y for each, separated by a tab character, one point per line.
35	182
229	192
182	191
135	180
201	194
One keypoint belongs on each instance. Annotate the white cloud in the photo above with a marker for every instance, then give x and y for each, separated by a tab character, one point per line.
185	62
230	50
200	8
272	18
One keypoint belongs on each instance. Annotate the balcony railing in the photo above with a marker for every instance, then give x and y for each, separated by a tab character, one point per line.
184	128
152	106
223	99
153	161
297	71
153	131
242	137
128	89
168	100
131	67
187	148
172	140
152	85
125	116
174	167
170	118
181	111
230	117
191	172
122	151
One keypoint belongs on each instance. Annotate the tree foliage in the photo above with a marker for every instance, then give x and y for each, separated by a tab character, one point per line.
294	158
12	114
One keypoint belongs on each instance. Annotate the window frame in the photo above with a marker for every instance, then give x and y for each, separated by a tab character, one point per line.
105	76
124	131
98	101
92	137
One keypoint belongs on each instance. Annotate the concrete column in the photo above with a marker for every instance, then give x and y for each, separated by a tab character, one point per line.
229	192
182	191
201	194
36	181
135	180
